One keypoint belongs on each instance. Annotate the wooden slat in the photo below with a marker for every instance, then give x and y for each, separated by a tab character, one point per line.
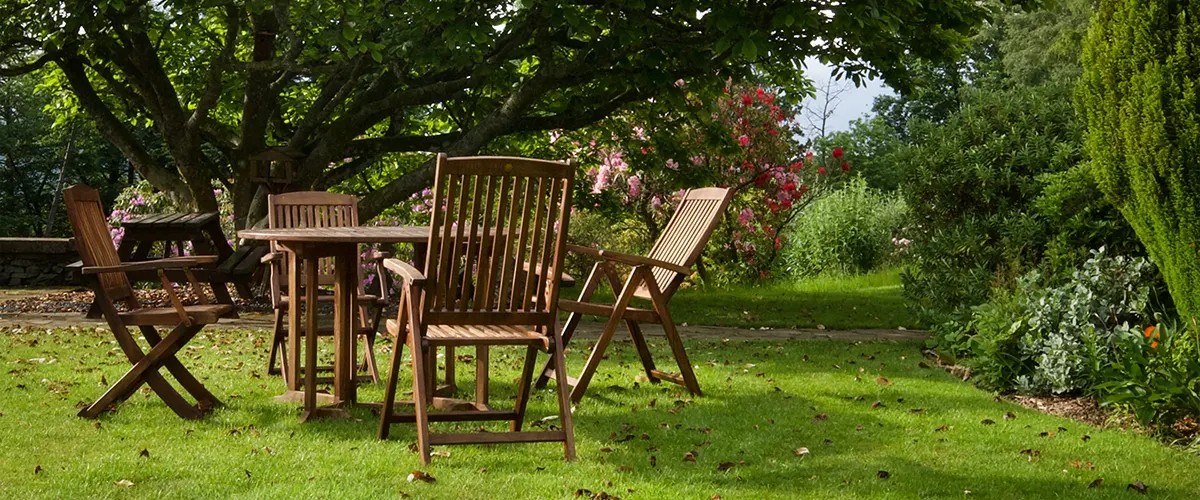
485	259
506	278
456	416
516	292
498	437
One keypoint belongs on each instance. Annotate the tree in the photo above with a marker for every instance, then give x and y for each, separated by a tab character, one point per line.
32	150
827	96
1138	93
348	83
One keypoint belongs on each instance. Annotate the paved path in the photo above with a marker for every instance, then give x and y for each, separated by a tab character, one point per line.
587	329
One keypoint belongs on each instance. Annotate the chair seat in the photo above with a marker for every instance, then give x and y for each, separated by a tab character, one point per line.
200	314
457	335
362	299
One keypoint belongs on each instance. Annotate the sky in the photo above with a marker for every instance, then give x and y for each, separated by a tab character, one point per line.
856	102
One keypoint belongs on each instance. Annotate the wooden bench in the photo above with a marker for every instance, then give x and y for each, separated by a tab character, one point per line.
240	267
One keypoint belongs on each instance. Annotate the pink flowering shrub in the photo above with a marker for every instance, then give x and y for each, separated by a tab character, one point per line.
141	199
638	164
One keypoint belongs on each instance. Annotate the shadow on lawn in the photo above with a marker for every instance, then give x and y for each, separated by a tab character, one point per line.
763	401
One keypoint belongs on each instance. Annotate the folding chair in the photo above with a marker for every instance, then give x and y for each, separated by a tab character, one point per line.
654	278
491	278
319	209
105	274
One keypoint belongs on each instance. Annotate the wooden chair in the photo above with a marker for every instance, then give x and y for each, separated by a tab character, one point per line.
654	278
319	209
105	274
491	278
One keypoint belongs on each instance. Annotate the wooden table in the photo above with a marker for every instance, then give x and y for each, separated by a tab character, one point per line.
308	245
203	231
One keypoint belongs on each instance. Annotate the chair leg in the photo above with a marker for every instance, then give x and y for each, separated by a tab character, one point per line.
204	398
389	392
420	397
523	388
631	285
145	370
589	287
562	389
276	343
643	349
681	357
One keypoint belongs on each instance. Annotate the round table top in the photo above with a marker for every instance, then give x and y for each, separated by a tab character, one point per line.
354	234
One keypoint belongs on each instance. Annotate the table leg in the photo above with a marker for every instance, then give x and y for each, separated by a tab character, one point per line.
310	337
293	375
345	286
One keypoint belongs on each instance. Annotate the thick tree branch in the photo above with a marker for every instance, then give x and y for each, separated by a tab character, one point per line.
216	70
332	95
400	144
116	133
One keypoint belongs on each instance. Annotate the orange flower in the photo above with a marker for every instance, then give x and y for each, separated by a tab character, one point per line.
1154	344
1152	330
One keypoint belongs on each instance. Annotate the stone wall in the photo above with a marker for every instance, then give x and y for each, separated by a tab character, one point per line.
36	261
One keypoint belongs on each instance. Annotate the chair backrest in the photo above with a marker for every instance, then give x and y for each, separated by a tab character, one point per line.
496	240
686	234
94	239
308	209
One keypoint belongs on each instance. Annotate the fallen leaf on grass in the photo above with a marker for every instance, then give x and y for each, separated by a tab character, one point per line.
419	475
1010	416
605	450
1096	483
1033	454
1080	465
625	468
37	469
145	453
878	404
1085	437
820	417
724	466
124	483
800	452
440	453
689	456
988	421
1139	487
917	410
943	428
883	474
883	381
653	461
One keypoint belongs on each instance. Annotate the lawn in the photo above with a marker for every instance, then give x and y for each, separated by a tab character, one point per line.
867	301
764	401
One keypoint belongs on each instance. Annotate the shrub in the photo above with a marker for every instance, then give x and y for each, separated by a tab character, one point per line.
854	229
1138	93
1058	338
1155	373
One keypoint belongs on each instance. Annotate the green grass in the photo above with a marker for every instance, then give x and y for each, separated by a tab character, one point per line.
867	301
761	403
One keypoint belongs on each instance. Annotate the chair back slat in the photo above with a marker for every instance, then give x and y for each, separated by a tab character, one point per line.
93	238
496	240
304	209
687	232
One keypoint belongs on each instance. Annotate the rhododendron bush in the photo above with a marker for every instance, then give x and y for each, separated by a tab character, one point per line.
638	164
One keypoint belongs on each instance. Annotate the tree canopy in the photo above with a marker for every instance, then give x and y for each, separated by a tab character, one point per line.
344	84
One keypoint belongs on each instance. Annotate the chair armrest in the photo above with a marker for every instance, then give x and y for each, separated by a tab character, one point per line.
580	249
151	265
637	260
566	280
271	257
405	270
377	255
